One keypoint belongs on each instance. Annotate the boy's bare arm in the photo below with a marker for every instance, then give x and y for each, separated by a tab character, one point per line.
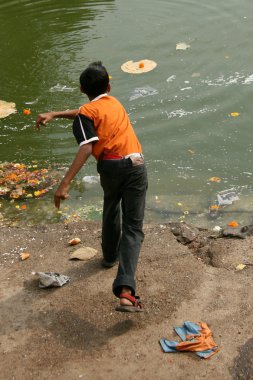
44	118
81	157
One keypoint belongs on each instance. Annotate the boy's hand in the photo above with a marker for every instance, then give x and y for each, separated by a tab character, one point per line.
44	118
61	194
81	157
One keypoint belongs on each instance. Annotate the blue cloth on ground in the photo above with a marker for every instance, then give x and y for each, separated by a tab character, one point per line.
188	328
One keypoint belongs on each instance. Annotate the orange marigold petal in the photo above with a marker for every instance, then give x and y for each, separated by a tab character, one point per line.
24	256
26	111
214	207
233	223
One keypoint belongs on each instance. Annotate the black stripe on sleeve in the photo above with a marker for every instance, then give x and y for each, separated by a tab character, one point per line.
84	130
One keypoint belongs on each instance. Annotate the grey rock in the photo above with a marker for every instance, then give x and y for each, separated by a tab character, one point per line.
184	233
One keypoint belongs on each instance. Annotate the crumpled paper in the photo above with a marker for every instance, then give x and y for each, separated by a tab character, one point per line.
227	197
51	279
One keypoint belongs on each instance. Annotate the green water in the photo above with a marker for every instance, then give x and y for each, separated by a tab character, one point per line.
184	125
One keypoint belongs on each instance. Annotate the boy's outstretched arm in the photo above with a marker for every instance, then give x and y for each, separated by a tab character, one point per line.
81	157
44	118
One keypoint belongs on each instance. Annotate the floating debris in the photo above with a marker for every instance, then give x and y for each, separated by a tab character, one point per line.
143	92
32	102
19	181
227	197
215	179
171	78
182	46
26	111
138	67
61	88
7	108
195	75
91	179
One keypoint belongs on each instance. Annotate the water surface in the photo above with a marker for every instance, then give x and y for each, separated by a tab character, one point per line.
181	111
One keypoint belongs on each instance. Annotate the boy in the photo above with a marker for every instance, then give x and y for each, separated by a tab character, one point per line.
102	128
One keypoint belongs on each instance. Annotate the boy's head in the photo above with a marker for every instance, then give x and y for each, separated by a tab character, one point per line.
94	80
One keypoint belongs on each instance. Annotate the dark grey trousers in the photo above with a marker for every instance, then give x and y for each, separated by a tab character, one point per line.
125	189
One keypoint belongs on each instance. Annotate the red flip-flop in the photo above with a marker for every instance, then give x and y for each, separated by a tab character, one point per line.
135	307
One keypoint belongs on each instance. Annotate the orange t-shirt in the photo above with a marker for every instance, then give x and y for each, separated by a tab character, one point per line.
105	123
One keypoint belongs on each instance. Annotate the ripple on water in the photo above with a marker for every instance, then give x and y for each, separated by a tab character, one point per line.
193	91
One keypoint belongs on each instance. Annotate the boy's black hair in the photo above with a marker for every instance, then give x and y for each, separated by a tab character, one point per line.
95	79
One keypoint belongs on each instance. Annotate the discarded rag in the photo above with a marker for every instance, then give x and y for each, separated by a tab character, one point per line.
196	337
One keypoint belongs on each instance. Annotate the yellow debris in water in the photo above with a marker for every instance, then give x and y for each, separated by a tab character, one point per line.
138	67
7	108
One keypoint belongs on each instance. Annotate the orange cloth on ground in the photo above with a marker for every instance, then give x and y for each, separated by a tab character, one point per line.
201	342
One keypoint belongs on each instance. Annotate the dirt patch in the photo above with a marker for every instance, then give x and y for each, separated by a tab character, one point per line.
243	363
74	332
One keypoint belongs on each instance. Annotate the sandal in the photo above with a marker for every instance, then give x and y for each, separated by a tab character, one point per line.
135	307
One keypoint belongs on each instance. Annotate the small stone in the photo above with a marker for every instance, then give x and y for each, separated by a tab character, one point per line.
85	253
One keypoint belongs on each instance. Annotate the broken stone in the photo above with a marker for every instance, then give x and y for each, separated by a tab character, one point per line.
248	230
184	233
234	232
